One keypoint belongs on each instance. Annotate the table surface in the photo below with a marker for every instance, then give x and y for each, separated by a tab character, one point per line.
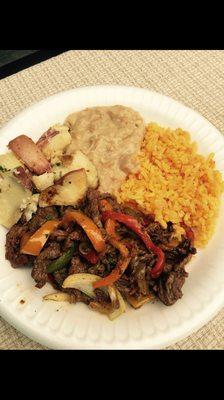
194	77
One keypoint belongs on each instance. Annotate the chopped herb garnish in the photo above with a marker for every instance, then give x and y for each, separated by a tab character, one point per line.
46	235
48	217
58	164
3	169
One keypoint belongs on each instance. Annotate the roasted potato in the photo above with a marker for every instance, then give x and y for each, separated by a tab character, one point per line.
43	181
68	191
13	199
27	151
76	161
9	161
54	144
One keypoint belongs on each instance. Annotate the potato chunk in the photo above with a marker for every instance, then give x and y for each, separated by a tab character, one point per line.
68	191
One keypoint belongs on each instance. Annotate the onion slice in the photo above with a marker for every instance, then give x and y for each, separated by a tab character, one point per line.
121	306
58	296
84	283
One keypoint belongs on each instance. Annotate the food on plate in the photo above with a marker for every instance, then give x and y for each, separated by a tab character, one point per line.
43	181
110	137
24	176
58	296
28	152
68	190
30	207
43	174
9	161
78	256
34	243
90	228
175	183
84	283
76	161
54	142
13	196
108	210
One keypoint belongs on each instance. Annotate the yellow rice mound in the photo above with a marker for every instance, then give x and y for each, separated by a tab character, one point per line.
175	183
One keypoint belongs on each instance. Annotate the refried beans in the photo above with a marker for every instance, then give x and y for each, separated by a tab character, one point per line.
111	137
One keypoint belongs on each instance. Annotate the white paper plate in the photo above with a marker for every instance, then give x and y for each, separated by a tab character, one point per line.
61	325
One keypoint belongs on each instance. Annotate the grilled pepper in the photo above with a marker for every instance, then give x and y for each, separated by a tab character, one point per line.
110	224
62	261
36	242
114	275
136	227
88	226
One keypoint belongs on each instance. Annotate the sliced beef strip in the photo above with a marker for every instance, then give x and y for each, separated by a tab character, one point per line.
59	235
76	235
77	296
92	206
158	234
39	272
180	252
62	210
60	276
140	274
101	302
173	267
127	285
110	258
42	215
112	200
141	255
102	297
77	266
12	247
140	266
107	262
98	269
169	286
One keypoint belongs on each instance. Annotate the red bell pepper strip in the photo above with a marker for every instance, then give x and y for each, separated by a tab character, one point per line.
135	226
110	224
114	239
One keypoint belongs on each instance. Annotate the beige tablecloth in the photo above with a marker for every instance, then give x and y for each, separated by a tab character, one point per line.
196	78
